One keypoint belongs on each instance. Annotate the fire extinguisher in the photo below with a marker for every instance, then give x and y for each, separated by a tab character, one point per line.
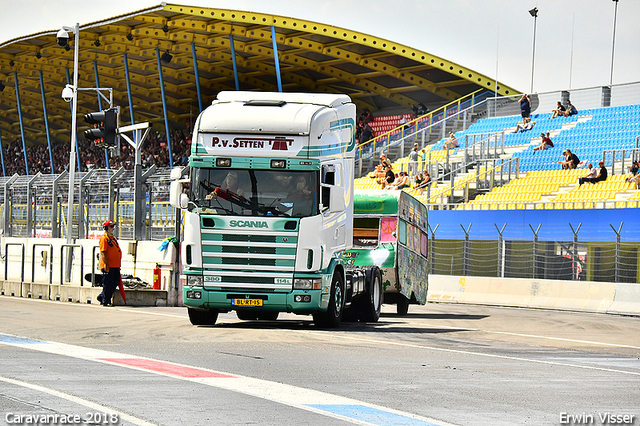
157	275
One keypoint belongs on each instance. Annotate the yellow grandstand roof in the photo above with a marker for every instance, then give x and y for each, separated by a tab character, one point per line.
313	57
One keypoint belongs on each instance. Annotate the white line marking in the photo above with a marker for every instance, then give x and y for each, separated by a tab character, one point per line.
285	394
75	399
457	351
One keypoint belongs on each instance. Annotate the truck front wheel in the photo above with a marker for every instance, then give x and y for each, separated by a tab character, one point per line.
372	303
333	316
198	317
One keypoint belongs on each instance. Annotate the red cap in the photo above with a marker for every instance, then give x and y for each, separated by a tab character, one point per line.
108	223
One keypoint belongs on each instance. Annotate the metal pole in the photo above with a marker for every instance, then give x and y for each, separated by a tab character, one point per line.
618	248
195	71
465	250
534	13
4	173
72	154
95	71
575	247
164	108
275	57
613	45
46	123
233	62
535	250
24	146
500	253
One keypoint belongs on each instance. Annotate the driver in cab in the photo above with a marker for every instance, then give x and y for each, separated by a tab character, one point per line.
228	189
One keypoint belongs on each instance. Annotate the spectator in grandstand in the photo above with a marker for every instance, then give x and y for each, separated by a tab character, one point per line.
379	173
389	177
635	176
413	160
403	121
401	182
422	180
560	109
571	109
592	172
452	142
545	143
602	175
526	124
367	133
525	106
384	160
571	160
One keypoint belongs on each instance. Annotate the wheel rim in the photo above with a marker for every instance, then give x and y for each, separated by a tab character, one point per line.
338	298
376	293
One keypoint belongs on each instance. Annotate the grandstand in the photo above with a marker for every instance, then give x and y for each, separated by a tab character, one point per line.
608	134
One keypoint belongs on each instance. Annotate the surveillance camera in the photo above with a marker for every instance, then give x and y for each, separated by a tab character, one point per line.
63	38
67	93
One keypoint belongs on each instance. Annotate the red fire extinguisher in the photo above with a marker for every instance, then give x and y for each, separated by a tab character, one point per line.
157	275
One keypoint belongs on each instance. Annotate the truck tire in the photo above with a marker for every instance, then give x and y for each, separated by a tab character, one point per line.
402	306
372	302
333	316
198	317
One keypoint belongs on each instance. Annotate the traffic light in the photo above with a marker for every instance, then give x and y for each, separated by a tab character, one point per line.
105	127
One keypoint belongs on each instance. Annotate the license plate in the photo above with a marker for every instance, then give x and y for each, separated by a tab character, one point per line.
246	302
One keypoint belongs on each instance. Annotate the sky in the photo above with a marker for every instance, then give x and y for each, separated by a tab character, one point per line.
573	38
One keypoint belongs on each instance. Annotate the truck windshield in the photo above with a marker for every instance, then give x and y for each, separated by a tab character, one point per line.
255	192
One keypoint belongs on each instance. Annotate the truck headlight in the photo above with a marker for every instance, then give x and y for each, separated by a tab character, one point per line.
194	280
307	283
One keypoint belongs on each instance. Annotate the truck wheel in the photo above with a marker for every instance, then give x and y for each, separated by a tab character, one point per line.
402	306
198	317
245	315
372	304
333	316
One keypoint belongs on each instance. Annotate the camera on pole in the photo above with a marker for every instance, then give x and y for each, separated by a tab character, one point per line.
105	127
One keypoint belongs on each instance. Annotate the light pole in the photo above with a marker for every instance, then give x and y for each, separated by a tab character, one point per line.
615	17
70	93
533	12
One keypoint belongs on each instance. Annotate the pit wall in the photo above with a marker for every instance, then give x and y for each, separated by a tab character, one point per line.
49	282
583	296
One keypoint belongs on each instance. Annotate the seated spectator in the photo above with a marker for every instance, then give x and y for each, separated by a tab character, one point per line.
452	142
633	170
560	109
401	182
571	160
379	173
424	182
592	172
389	177
602	175
526	124
545	143
571	110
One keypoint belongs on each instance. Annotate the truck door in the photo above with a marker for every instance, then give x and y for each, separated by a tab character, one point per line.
334	229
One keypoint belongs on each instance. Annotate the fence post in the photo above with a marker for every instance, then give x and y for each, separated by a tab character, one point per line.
617	265
535	250
500	252
433	247
465	250
574	253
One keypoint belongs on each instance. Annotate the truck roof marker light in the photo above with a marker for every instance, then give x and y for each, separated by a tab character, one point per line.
223	162
278	164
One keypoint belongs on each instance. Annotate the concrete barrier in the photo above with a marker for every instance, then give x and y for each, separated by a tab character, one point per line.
584	296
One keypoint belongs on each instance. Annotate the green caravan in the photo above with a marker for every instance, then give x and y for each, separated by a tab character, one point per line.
390	232
268	211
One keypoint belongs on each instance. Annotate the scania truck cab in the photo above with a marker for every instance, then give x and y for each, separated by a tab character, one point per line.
268	211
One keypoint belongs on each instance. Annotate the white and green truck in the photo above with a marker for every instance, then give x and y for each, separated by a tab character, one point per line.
269	211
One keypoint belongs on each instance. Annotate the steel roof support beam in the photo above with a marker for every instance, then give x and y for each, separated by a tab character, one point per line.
46	123
275	57
164	107
195	71
233	60
24	146
4	173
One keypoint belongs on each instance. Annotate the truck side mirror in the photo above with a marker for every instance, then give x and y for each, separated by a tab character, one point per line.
175	194
184	201
337	200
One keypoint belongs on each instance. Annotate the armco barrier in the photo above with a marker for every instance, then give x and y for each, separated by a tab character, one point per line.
139	259
585	296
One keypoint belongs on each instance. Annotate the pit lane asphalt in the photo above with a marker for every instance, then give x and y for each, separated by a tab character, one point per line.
465	365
